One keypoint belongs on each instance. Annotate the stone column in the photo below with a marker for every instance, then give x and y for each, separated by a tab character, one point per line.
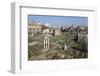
46	43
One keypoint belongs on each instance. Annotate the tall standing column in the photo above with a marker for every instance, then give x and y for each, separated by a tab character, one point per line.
46	43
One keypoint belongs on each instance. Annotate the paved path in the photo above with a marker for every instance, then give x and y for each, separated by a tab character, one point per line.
32	43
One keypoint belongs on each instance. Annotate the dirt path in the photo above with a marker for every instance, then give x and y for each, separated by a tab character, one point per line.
38	57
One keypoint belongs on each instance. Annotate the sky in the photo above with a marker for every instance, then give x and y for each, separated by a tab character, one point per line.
58	20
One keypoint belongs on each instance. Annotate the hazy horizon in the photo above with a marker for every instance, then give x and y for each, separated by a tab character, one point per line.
58	20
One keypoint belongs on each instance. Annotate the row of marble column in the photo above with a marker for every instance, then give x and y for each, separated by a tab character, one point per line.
86	36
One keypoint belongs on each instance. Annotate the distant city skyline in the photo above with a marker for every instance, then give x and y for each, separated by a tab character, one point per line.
58	20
